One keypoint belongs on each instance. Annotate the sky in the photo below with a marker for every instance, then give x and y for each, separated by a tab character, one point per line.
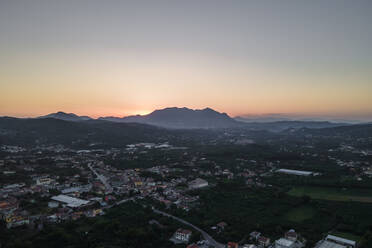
118	58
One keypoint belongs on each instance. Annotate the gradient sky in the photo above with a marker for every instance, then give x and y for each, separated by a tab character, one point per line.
102	58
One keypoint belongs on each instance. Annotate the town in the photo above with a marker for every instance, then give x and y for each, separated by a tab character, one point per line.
185	124
49	185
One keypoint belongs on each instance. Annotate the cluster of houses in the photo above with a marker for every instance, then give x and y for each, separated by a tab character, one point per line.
291	239
93	187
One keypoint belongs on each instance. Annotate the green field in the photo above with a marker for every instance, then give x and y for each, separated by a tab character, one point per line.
347	236
333	194
300	214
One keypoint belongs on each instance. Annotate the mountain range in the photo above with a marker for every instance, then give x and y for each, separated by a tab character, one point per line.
263	118
185	118
66	116
181	118
100	133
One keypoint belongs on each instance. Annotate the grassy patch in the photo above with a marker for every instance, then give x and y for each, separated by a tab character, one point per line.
347	236
300	214
333	194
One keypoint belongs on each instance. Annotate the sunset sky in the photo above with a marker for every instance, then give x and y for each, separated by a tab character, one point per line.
102	58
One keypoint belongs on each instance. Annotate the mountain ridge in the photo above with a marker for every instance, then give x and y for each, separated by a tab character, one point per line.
207	118
60	115
181	118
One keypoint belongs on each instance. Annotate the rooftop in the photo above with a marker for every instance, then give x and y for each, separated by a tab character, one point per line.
71	201
341	240
327	244
295	172
284	242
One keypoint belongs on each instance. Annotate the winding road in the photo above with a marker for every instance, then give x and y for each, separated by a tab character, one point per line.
205	235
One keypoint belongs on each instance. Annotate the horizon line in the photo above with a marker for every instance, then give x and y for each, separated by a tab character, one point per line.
357	117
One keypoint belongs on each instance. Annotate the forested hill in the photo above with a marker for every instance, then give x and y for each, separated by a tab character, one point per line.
33	131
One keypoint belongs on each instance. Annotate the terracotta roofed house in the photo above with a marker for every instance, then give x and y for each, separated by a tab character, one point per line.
232	245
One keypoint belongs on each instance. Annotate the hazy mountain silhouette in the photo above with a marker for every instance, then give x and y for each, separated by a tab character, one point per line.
262	119
185	118
278	117
278	126
66	116
181	118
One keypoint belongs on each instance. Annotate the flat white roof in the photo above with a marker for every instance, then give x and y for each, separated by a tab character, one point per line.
284	242
327	244
295	172
341	240
71	201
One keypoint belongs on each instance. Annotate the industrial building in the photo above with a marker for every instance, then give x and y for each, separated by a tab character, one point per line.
70	201
332	241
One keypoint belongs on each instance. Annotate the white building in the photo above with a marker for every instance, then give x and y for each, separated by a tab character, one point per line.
284	243
249	246
332	241
44	181
198	183
70	201
183	235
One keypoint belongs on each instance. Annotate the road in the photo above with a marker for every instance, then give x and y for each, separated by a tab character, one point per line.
102	179
205	235
120	202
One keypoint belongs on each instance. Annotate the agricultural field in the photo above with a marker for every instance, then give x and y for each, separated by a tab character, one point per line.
300	214
333	194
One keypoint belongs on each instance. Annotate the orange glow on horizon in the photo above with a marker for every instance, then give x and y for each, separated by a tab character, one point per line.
130	85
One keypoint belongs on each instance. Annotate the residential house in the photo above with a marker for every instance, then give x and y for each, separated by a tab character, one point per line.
284	243
254	235
15	219
263	241
183	235
291	235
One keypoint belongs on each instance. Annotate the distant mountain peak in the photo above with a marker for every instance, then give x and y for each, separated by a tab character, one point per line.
64	113
209	109
185	118
60	115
